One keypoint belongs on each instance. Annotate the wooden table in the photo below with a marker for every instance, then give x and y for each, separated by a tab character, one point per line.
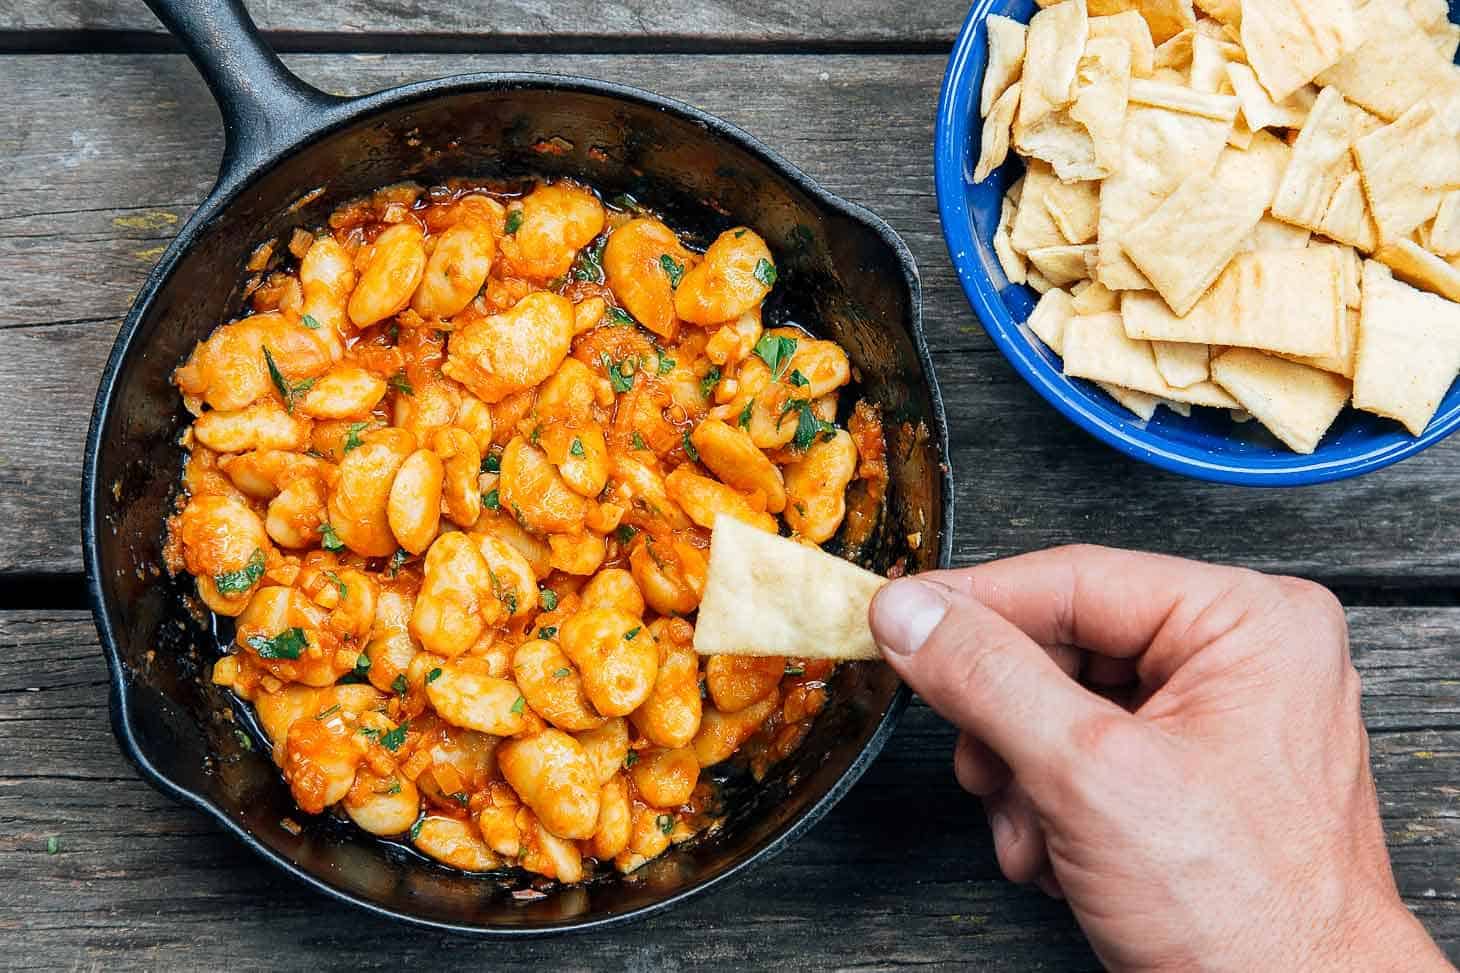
107	141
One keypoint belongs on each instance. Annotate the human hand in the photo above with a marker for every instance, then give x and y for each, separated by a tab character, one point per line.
1206	803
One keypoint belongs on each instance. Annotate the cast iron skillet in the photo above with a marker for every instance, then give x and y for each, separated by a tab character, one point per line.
292	155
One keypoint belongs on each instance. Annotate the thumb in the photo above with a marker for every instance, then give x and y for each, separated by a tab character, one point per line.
981	673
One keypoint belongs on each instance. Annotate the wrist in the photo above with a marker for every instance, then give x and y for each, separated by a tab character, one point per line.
1382	936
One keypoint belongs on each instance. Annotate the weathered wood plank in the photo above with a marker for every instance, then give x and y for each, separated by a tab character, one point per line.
644	23
94	194
140	882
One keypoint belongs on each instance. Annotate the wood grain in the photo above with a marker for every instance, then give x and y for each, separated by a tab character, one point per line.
97	191
645	24
139	882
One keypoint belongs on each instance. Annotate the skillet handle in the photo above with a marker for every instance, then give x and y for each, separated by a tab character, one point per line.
265	107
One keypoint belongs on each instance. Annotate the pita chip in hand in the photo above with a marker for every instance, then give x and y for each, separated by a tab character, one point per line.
766	595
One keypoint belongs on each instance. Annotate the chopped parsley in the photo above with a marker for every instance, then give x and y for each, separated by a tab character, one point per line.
745	414
776	351
795	670
689	447
340	586
808	426
619	316
711	379
394	738
362	664
518	706
621	380
765	272
666	364
631	758
665	823
311	322
549	598
673	269
288	644
329	712
433	675
401	384
577	448
492	463
629	635
589	265
244	740
331	541
233	582
625	533
415	831
562	673
514	222
394	787
352	435
548	632
639	441
461	797
739	233
491	500
288	391
398	559
625	202
400	685
798	380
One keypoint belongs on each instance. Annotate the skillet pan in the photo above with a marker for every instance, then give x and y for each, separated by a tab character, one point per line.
292	154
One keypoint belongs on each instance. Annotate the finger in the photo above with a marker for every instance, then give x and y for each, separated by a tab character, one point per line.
1018	836
1118	603
984	675
1049	883
979	770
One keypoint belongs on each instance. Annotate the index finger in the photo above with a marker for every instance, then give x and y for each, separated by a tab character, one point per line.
1117	603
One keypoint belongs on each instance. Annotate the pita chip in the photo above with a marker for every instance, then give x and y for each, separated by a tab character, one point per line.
1061	265
1257	108
1271	234
1319	161
1408	167
1143	405
1396	66
1445	233
1096	298
1182	365
1409	350
1228	12
1006	60
1343	362
1082	142
1075	209
1053	47
1289	42
1033	227
1161	148
1296	403
1179	98
997	129
1097	348
1446	38
1050	315
1291	301
1130	27
1412	263
1010	260
1347	218
1429	14
767	595
1184	245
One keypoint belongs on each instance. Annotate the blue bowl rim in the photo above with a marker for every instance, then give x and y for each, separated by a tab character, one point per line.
953	132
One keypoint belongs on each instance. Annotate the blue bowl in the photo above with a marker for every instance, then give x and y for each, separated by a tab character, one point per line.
1209	445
